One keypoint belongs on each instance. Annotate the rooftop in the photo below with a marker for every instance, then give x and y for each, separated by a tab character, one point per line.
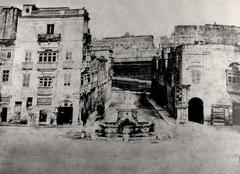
210	25
31	10
129	36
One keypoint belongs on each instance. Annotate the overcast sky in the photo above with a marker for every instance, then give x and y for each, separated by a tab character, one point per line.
140	17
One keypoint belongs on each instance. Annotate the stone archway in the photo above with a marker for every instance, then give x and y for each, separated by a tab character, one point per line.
195	110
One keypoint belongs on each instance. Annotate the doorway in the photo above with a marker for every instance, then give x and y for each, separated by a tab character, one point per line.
195	110
4	115
42	116
18	109
64	115
236	114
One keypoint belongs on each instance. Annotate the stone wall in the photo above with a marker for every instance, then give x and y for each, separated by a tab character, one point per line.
207	34
132	55
133	70
8	22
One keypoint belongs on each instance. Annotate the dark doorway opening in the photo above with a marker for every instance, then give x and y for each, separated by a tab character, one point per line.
65	115
195	110
42	116
84	116
4	115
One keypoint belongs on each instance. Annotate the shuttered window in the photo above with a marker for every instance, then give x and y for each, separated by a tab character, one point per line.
26	80
67	79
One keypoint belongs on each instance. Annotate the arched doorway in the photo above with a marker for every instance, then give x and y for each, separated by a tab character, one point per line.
65	112
195	110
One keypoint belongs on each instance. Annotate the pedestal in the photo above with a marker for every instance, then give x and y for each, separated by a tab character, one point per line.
182	116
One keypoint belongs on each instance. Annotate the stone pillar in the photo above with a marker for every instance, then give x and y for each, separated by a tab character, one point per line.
75	113
182	116
182	108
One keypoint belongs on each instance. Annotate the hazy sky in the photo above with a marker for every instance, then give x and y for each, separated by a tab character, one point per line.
155	17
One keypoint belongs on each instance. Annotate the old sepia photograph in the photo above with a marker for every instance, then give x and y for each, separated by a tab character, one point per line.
119	87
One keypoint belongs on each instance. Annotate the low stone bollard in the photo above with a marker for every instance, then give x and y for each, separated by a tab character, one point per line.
126	137
83	134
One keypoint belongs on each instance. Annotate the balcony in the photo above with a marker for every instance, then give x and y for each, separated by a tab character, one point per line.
49	37
45	91
233	88
47	66
94	84
27	65
68	65
7	42
58	11
5	100
85	88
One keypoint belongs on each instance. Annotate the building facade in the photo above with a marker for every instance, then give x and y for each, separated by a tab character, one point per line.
206	34
8	28
50	70
132	55
96	83
199	81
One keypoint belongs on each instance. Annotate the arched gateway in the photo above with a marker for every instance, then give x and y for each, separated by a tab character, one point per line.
195	110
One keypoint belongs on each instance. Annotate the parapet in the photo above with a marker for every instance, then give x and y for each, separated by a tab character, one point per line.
31	10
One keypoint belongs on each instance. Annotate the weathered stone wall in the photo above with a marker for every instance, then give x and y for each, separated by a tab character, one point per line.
133	70
71	31
8	22
213	61
129	46
207	34
132	55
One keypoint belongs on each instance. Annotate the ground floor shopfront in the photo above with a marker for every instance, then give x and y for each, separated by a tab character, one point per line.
72	110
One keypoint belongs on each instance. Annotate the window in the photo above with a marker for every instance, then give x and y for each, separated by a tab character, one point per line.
44	101
48	56
84	55
50	28
45	81
28	56
29	102
68	55
5	76
233	77
9	55
26	80
89	78
67	79
196	76
82	80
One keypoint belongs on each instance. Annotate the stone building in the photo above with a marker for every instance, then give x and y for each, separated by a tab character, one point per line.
207	34
53	68
96	83
132	55
199	81
8	28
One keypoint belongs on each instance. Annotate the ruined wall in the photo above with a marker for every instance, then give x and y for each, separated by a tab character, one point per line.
207	34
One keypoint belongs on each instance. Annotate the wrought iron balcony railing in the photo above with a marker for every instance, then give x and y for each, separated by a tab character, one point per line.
27	65
49	37
47	66
45	91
